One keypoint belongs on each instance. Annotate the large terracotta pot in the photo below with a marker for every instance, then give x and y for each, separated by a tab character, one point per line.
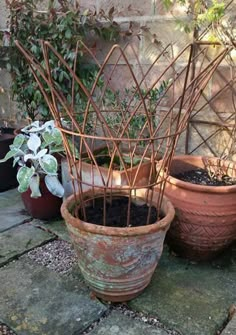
117	263
45	207
7	172
205	222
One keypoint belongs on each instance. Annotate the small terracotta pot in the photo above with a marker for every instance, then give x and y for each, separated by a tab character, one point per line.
7	172
117	263
45	207
205	222
90	175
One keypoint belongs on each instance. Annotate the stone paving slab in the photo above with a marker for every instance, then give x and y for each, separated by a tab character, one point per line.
231	327
19	240
117	323
57	227
12	211
35	300
194	299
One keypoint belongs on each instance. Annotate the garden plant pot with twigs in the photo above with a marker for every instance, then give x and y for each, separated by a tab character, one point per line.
116	262
205	222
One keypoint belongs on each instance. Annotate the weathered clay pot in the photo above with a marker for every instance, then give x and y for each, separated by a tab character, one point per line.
45	207
205	221
7	172
117	263
89	174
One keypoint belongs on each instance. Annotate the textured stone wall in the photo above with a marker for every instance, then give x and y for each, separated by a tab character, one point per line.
161	31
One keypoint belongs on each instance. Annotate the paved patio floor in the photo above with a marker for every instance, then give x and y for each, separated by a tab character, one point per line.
37	297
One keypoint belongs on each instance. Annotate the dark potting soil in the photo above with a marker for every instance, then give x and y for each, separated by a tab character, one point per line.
201	177
116	213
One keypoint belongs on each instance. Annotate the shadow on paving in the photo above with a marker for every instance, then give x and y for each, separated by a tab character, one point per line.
192	298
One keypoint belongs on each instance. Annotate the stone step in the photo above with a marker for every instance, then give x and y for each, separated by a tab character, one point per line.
57	227
192	298
35	300
12	210
117	323
18	240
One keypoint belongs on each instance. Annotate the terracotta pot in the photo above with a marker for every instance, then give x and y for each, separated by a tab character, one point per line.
91	175
117	263
7	172
45	207
205	222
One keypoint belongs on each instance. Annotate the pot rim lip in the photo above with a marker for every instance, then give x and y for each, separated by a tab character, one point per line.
196	187
162	224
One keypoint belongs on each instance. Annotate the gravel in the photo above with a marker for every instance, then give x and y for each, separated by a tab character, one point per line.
58	256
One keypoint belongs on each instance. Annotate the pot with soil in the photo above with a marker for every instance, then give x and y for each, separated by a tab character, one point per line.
117	260
203	192
138	172
7	172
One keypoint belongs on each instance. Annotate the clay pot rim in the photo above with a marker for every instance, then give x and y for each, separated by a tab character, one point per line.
196	187
162	224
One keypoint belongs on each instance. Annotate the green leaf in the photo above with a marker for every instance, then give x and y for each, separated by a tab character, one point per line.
18	141
134	161
61	77
23	176
52	137
49	164
68	34
9	155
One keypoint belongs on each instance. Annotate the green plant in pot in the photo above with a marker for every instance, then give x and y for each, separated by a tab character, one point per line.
36	151
112	169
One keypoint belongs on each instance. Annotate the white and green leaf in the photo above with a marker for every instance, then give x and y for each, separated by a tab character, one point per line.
10	154
49	164
18	141
34	143
54	186
23	176
34	186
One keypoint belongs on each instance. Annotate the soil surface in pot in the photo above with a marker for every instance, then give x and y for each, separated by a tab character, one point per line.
201	177
116	213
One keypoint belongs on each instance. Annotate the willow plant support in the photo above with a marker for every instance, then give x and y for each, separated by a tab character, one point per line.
131	125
